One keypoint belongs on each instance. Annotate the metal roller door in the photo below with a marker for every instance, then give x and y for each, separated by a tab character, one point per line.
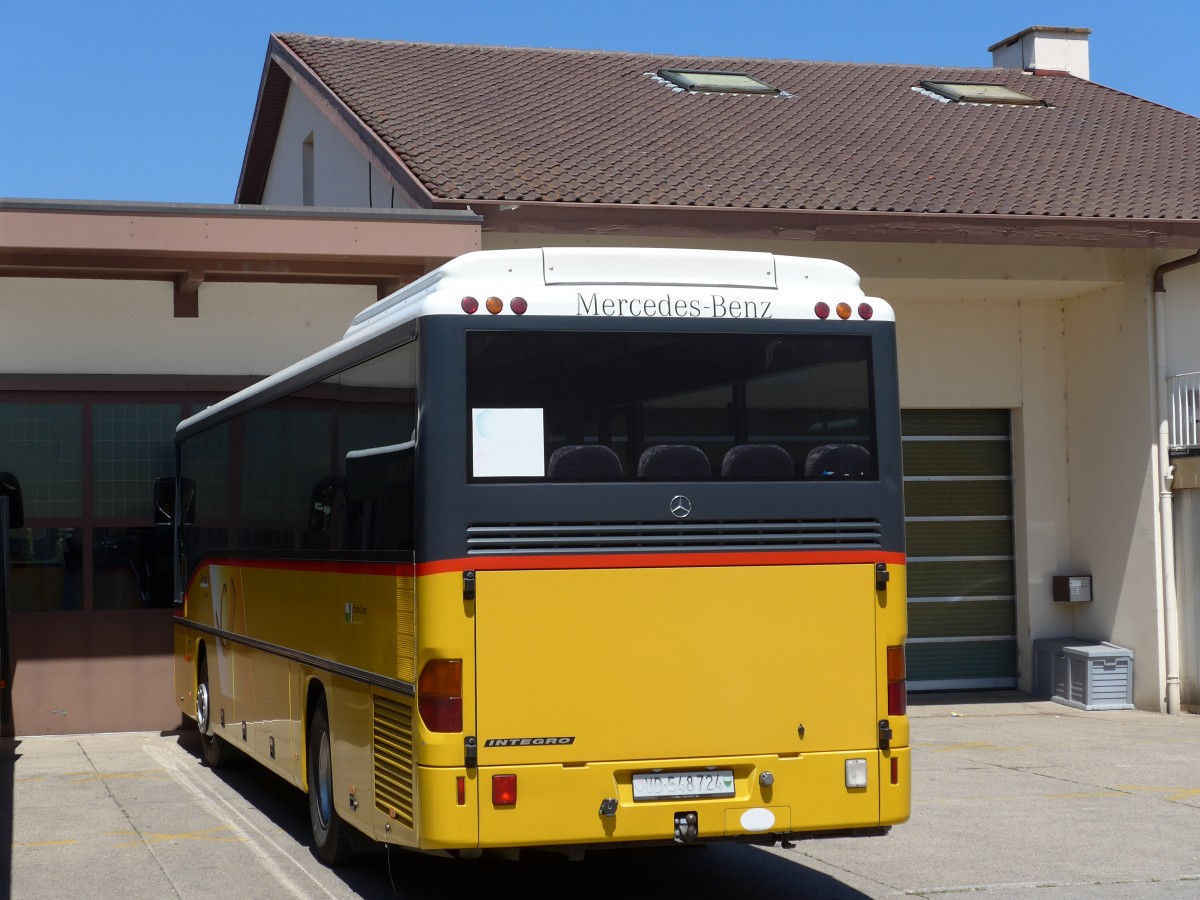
959	531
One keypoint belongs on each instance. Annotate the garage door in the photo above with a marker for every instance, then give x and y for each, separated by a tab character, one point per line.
959	530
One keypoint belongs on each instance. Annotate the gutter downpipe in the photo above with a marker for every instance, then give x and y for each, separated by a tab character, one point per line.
1166	508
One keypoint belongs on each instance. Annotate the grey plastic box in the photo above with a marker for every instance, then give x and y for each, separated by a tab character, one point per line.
1082	674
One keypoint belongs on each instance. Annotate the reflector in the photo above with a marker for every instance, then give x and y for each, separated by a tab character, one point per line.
843	310
494	305
822	310
469	304
518	305
897	684
504	790
865	311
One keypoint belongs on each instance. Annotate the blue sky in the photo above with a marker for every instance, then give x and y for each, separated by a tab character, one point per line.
152	101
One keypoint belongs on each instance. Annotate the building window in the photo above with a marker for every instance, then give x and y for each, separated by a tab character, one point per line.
86	466
716	82
307	165
962	92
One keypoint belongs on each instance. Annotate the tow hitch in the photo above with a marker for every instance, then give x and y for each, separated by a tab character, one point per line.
686	828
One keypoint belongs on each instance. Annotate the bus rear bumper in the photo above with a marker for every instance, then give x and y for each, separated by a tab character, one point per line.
773	799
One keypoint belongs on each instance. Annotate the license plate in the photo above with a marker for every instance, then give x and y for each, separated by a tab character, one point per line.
682	785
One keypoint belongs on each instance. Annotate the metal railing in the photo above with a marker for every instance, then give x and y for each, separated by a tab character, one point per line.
1185	413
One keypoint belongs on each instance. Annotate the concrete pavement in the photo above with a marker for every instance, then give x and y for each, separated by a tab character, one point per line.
1013	798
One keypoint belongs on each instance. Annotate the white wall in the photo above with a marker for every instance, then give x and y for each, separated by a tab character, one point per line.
1183	320
78	326
1183	356
1111	451
342	175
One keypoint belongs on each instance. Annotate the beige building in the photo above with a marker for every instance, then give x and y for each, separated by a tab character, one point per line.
117	320
1018	217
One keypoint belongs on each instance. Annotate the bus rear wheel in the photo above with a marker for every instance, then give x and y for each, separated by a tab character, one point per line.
330	837
214	750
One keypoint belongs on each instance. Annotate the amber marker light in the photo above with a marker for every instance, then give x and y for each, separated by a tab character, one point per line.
843	310
469	304
494	305
439	695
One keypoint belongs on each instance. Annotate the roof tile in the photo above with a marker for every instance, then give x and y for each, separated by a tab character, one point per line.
476	122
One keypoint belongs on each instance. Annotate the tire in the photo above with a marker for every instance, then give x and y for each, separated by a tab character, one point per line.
215	751
331	839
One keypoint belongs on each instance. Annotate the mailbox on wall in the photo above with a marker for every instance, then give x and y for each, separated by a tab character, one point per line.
1073	588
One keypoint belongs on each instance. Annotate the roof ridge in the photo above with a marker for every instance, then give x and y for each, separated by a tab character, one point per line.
576	51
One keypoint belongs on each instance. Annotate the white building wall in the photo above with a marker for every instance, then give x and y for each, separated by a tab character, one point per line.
1182	357
342	175
1110	445
100	327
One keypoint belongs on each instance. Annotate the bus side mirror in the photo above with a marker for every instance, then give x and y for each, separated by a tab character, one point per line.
164	500
10	488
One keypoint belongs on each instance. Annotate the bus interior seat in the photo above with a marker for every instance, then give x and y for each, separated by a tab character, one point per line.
838	461
674	461
757	461
584	462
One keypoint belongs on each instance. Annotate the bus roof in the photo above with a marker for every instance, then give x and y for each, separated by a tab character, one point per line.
585	282
676	283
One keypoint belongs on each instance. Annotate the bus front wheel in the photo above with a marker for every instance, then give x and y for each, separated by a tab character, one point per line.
329	833
215	751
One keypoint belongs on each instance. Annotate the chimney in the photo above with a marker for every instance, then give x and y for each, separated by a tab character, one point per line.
1044	50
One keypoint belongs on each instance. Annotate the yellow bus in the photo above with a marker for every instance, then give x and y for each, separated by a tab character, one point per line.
562	548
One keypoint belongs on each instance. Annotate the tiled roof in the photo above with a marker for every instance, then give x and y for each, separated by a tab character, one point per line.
496	123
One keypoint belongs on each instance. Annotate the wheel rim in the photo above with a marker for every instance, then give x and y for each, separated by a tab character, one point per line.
324	781
202	707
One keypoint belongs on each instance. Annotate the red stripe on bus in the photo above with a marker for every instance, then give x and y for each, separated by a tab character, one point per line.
661	560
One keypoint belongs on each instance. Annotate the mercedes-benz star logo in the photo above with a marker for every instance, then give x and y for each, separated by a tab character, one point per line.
680	506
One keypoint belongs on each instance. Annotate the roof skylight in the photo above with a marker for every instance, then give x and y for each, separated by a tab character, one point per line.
716	82
963	92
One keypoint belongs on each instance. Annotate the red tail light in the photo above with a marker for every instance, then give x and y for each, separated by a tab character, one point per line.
439	695
897	682
504	790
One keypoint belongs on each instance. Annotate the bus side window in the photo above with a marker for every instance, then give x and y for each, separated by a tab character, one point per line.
380	498
326	495
674	461
838	461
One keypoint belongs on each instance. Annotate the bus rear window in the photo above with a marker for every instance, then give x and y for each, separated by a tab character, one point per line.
589	406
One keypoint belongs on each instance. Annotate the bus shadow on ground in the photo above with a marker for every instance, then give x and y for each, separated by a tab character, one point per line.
698	871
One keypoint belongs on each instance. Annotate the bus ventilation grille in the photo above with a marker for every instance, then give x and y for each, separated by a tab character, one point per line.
393	735
650	537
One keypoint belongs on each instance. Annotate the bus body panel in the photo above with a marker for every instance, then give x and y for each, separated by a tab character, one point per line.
672	663
587	656
560	804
